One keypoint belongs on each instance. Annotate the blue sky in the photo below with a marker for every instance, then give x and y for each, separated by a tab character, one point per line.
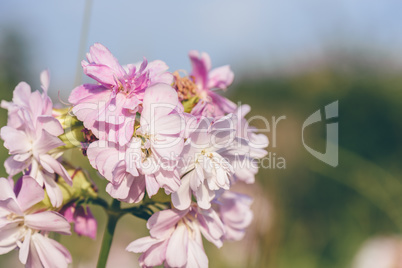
249	35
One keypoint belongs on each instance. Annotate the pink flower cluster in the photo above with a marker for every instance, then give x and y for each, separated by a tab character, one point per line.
153	132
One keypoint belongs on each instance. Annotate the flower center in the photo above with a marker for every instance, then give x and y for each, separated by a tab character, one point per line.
186	88
16	218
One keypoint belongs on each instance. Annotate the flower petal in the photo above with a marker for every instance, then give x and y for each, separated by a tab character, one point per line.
220	77
49	254
181	199
30	194
51	125
24	249
48	221
196	255
161	223
155	255
201	66
177	249
85	223
142	244
15	141
8	200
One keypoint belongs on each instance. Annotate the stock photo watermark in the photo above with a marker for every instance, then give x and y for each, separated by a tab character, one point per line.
235	140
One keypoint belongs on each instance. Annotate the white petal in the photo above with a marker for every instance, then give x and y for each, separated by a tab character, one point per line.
176	252
24	249
196	256
182	198
204	196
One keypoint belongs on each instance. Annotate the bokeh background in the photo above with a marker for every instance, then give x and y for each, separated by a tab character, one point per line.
290	59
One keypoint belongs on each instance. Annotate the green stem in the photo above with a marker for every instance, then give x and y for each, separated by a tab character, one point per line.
113	217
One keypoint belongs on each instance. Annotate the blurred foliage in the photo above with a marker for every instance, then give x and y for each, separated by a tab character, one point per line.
14	62
320	214
323	214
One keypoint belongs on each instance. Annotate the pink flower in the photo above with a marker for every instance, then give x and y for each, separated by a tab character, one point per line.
28	106
147	161
109	108
22	228
210	104
84	222
235	213
205	168
31	137
119	165
161	129
175	238
379	252
246	166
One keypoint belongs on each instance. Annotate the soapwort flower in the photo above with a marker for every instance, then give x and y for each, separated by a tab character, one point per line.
24	228
31	136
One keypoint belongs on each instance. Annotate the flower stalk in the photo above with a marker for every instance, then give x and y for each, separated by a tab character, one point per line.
109	233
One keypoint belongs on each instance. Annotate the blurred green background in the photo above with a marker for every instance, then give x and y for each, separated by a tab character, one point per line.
308	215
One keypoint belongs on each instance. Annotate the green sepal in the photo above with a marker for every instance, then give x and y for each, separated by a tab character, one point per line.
189	104
81	190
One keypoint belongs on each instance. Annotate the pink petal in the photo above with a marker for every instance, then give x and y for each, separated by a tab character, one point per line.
182	198
30	194
8	200
177	249
221	104
101	73
169	180
36	105
86	91
56	166
45	80
221	77
24	249
52	189
122	189
9	236
62	250
201	67
68	213
21	94
159	100
51	125
15	140
158	72
211	226
13	167
46	143
204	196
151	184
155	255
33	257
142	244
48	221
49	254
161	224
99	54
172	124
94	149
196	256
137	190
85	223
